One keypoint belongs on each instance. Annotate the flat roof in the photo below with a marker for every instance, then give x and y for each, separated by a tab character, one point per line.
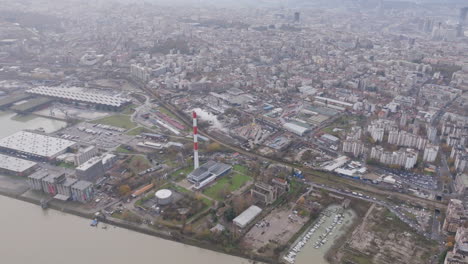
247	216
88	164
15	164
207	169
464	178
71	94
36	144
81	185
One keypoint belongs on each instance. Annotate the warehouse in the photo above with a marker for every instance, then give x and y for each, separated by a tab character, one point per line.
16	166
296	129
35	146
77	95
247	216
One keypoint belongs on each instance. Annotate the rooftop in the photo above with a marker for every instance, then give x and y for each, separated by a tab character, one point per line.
88	164
68	93
15	164
36	144
82	185
248	215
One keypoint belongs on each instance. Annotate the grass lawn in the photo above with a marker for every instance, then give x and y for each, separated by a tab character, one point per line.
121	149
232	182
122	121
138	131
129	110
181	173
66	165
241	169
165	111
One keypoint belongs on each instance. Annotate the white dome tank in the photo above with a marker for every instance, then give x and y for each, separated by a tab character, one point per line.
164	196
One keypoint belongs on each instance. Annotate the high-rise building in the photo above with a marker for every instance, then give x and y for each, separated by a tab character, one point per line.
455	216
430	153
297	16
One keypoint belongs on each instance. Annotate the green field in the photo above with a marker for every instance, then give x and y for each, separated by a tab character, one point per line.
241	169
129	110
122	121
121	149
231	183
181	173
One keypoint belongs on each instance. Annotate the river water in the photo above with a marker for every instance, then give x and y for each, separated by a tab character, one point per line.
30	235
11	122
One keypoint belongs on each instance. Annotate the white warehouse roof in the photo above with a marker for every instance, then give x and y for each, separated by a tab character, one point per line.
247	216
296	129
36	144
71	94
14	164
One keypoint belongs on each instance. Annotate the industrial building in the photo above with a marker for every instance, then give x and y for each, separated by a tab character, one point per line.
82	191
296	129
163	196
35	146
85	154
247	216
91	170
209	170
75	94
265	193
58	185
16	166
268	193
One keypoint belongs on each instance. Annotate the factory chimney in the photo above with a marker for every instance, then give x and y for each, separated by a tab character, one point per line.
195	141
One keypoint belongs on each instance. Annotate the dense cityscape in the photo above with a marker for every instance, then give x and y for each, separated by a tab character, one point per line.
276	131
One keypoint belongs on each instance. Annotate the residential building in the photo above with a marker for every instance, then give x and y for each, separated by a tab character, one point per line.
459	254
455	216
430	153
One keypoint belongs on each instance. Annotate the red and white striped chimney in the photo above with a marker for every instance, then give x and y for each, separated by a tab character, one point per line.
195	141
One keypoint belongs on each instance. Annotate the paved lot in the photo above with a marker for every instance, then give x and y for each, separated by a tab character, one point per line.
91	134
276	226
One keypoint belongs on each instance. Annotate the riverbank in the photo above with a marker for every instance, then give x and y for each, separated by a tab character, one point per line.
80	211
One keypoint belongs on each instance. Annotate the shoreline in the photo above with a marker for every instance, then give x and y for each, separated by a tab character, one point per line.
137	228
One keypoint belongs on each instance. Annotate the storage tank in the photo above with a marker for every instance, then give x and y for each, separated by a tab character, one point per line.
164	196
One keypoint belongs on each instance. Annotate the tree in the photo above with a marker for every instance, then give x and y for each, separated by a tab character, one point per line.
124	190
223	192
213	147
307	155
229	214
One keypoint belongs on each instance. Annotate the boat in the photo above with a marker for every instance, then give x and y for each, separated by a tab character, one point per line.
94	222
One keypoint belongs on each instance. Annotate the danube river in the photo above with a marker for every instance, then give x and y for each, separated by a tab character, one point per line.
32	235
29	234
11	123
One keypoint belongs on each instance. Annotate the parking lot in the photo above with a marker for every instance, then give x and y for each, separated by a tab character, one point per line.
416	180
94	134
280	225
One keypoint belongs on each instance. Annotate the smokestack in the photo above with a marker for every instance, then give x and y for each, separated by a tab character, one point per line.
195	141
